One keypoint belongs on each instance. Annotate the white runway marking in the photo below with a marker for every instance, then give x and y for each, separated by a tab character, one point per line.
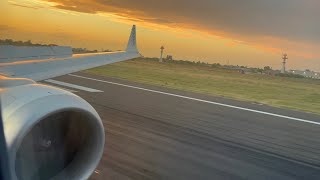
72	86
201	100
70	90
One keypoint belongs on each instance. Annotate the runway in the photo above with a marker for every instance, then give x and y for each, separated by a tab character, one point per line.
159	133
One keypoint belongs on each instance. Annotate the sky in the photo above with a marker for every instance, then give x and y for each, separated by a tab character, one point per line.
252	33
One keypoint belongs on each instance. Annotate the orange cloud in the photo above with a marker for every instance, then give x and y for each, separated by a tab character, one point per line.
247	24
163	17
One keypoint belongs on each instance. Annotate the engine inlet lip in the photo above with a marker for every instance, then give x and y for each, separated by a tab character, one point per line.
30	127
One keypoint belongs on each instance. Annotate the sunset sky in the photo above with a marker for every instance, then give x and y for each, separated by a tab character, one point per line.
247	32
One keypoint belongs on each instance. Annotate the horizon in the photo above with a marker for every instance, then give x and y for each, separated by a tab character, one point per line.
253	34
189	60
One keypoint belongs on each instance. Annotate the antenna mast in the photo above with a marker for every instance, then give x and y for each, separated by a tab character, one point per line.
284	58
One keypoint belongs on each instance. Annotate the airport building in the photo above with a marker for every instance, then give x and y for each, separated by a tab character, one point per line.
306	73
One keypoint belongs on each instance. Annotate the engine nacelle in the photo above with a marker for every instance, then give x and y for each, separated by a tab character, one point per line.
50	133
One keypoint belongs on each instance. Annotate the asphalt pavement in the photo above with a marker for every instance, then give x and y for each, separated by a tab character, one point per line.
158	133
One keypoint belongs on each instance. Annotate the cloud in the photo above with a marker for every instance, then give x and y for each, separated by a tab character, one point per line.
291	19
267	24
25	4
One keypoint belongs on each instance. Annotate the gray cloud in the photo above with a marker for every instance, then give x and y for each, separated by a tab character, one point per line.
288	19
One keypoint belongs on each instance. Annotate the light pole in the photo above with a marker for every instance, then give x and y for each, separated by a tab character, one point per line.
161	53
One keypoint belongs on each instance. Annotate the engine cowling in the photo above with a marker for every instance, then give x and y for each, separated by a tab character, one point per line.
50	133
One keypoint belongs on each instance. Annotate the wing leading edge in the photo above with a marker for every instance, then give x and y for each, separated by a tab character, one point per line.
48	68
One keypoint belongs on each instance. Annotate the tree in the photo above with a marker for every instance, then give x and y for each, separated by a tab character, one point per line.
259	70
216	65
267	68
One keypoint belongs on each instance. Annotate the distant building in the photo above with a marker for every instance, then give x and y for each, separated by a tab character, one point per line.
306	73
233	67
169	58
240	69
272	72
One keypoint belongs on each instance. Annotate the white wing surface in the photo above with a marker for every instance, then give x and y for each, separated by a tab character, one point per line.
40	69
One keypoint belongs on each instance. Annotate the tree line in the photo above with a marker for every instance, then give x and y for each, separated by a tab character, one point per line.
29	43
22	43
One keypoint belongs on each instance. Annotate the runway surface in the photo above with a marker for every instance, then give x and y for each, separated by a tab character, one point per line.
158	133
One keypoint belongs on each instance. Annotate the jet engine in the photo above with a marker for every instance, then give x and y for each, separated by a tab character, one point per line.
50	133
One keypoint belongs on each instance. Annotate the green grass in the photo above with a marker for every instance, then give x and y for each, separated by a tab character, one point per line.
284	92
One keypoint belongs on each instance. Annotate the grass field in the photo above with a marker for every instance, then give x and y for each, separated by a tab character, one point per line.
293	93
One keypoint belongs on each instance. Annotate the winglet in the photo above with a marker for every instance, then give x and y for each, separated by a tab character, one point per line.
132	43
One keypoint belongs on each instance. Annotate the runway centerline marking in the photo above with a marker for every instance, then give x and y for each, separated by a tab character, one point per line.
72	86
70	90
201	100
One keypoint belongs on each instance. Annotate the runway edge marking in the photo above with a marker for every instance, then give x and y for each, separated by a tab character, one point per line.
201	100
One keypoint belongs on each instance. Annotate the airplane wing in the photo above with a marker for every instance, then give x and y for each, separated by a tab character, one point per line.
40	69
50	133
